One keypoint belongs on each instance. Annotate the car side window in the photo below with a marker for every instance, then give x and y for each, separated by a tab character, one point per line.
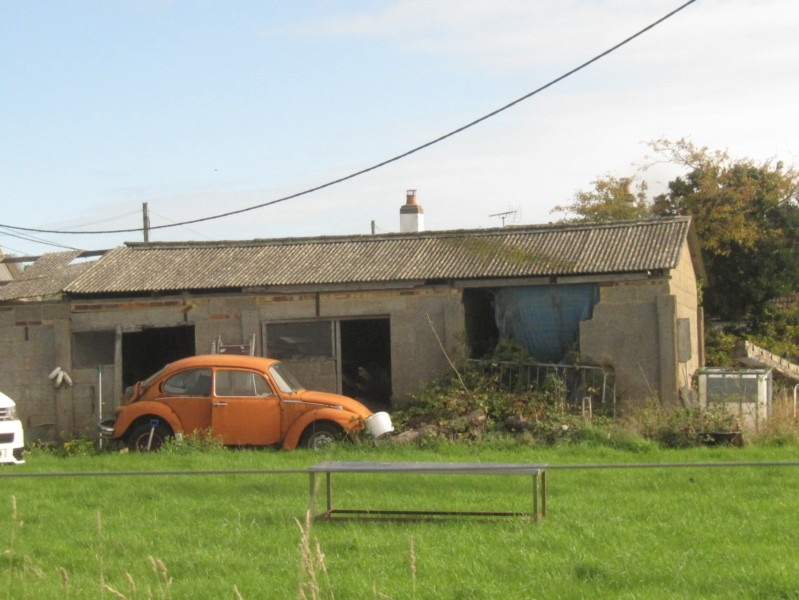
241	383
194	382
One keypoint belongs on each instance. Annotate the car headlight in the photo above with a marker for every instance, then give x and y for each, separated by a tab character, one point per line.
12	413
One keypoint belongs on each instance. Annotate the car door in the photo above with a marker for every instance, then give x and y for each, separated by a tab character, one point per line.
245	411
188	394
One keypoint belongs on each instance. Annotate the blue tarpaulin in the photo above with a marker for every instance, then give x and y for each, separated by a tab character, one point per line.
545	319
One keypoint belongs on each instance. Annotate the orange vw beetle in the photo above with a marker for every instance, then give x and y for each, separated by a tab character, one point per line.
240	400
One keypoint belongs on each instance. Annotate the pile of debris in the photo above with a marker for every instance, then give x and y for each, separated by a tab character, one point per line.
469	426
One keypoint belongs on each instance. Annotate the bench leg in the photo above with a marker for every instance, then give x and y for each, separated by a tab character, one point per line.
312	508
540	515
543	494
329	485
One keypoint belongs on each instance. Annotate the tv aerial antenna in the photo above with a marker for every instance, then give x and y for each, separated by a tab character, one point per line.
508	217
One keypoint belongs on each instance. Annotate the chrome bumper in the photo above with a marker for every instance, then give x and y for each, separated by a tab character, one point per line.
106	429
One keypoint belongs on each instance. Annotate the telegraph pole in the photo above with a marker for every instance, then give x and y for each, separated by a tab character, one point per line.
146	222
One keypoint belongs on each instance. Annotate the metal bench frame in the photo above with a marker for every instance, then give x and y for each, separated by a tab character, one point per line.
535	471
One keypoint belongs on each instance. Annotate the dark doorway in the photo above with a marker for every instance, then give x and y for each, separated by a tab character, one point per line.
145	352
481	328
366	361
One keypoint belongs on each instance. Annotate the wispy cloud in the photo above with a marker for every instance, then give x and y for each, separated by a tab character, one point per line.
516	34
510	34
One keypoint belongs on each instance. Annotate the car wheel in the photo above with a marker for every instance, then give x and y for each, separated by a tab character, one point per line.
148	437
319	435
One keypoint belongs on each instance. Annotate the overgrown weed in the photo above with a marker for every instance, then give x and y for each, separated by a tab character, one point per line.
193	443
781	428
679	427
486	411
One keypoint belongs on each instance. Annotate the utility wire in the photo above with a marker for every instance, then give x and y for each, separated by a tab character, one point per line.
106	219
30	238
37	240
390	160
152	212
14	250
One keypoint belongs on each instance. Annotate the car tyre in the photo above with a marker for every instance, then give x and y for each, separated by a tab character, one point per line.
319	435
139	438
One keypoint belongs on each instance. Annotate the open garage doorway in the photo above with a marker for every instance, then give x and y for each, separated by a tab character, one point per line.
366	361
145	352
482	334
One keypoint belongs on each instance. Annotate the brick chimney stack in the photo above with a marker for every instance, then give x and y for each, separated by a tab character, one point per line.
411	214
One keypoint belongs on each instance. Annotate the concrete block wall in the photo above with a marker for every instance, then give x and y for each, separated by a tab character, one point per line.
87	396
635	329
430	329
106	315
29	351
222	316
685	289
416	355
624	333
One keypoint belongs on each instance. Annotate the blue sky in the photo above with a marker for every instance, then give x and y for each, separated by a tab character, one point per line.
208	106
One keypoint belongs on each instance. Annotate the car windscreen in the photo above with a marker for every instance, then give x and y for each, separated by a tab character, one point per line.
285	381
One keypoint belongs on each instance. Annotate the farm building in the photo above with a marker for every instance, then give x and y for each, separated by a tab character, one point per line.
372	316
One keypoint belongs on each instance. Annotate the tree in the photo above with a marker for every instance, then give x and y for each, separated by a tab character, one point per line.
612	199
745	214
747	219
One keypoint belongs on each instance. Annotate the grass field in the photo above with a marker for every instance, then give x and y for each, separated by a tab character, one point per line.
618	533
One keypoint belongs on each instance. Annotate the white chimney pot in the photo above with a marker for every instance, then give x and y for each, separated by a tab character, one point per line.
411	214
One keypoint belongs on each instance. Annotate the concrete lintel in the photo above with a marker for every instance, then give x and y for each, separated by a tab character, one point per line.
339	287
550	280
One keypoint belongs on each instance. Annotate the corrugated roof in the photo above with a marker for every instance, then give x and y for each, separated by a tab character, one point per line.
45	278
529	251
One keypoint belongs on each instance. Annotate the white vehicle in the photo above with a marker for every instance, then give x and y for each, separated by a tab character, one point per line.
11	436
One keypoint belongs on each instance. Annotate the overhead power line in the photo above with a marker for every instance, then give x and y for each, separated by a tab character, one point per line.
160	216
106	219
385	162
30	238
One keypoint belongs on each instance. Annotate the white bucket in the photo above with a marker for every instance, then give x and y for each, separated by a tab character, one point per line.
379	424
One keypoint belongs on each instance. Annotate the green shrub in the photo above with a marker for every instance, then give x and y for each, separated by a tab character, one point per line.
472	405
540	416
685	427
775	330
80	447
720	347
197	441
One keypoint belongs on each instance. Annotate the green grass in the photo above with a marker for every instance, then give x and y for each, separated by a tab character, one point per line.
622	533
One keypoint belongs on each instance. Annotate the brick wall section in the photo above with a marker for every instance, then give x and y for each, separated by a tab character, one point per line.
416	355
28	352
625	318
635	330
684	287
